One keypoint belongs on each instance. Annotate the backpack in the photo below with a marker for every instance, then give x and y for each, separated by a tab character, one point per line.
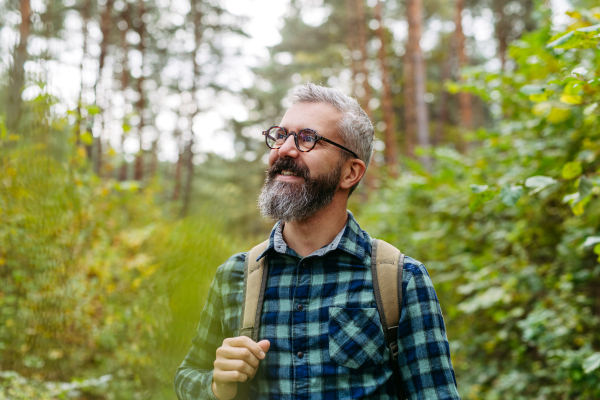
387	263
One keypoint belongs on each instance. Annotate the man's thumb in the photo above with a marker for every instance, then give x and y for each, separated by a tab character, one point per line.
265	345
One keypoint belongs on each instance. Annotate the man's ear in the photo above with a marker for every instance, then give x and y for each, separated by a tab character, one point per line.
352	172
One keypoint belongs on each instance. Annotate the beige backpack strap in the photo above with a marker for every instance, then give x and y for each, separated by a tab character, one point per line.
387	264
255	280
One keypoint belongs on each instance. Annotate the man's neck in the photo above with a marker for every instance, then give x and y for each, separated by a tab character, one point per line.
309	235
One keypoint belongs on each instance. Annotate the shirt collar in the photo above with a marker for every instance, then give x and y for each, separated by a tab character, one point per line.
351	240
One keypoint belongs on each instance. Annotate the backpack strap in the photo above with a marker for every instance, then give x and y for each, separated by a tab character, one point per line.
255	281
387	264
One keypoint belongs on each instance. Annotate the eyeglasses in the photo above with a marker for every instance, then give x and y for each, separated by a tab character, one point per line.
305	140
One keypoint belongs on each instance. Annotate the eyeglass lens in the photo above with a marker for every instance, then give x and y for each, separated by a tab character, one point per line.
276	137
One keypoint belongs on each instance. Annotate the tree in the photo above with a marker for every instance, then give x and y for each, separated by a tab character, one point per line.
105	29
124	25
196	18
17	73
391	152
464	98
140	28
361	23
416	112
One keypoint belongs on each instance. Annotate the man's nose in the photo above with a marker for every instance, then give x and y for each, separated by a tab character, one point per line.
288	148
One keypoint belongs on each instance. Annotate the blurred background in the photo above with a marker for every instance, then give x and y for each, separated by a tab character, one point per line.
131	157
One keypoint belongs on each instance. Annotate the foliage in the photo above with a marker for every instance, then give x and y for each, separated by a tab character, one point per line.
16	387
100	288
94	278
508	231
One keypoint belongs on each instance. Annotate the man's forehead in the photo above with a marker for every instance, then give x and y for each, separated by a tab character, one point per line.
311	115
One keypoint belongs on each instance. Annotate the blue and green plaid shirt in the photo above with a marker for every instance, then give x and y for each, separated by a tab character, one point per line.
320	315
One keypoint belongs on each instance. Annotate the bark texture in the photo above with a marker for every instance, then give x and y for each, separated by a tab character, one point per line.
105	25
141	103
464	98
391	151
361	23
198	32
20	55
124	85
417	113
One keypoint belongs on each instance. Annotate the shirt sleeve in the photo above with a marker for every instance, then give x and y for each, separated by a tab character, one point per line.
424	352
193	379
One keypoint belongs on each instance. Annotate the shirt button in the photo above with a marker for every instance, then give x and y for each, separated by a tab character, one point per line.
300	354
300	307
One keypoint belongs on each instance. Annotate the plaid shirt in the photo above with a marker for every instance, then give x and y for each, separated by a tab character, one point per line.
320	315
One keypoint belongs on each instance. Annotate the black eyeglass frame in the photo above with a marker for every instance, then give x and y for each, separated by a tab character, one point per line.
318	137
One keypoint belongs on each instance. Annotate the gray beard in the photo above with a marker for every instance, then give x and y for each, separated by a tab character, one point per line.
297	201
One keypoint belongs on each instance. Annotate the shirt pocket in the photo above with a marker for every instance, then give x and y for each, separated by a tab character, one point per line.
355	337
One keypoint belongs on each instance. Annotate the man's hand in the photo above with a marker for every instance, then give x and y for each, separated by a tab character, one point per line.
237	360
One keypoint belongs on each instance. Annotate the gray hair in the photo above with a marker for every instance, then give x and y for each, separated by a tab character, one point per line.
354	126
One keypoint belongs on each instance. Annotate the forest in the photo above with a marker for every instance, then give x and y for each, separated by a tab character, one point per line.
131	158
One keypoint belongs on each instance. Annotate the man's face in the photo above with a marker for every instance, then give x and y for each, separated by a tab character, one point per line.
300	184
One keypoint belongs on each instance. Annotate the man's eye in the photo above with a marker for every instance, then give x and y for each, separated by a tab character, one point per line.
308	138
280	135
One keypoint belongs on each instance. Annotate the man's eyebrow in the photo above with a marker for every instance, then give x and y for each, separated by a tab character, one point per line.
290	130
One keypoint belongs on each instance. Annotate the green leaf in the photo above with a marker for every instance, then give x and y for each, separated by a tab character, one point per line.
87	138
131	186
93	110
571	170
532	89
510	194
541	109
538	183
590	241
479	188
452	87
560	40
571	99
481	197
564	39
558	115
590	109
573	87
591	363
578	206
538	97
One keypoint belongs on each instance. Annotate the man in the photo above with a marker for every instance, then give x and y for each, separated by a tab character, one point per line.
320	336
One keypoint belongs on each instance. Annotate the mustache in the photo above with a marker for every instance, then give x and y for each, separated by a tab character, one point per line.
288	164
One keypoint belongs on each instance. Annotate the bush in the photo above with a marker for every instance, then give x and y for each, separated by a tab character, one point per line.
509	229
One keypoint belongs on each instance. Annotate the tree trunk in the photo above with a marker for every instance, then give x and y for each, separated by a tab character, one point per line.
177	176
82	121
105	24
351	41
141	103
410	111
502	29
197	20
464	98
189	178
414	12
15	103
361	23
391	152
124	86
98	164
443	108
